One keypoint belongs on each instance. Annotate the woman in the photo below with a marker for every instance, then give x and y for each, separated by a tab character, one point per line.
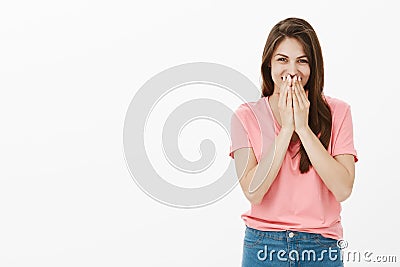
294	156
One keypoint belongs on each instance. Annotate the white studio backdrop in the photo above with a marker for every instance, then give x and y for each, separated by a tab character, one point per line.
68	71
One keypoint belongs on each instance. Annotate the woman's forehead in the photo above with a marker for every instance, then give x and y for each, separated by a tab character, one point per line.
290	47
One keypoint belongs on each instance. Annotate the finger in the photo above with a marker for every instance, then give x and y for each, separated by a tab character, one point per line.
295	100
282	91
303	93
289	103
289	100
298	95
295	103
300	83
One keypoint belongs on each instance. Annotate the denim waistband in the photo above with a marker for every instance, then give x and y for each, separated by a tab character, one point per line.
285	234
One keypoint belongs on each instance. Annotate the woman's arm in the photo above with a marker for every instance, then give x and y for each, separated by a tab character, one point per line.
256	179
336	172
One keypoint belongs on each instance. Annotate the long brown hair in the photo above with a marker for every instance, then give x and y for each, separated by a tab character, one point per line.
319	118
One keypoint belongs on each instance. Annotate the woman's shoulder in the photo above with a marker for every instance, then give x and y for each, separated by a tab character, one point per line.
340	110
249	108
337	105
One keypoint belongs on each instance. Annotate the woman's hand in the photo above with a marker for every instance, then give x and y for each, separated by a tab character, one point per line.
285	105
301	105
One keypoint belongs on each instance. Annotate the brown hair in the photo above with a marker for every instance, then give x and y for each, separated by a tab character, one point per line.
319	118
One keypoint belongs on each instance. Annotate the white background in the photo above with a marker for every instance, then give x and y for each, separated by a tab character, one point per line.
68	71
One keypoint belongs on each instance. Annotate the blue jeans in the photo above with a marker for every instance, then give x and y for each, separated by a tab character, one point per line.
289	248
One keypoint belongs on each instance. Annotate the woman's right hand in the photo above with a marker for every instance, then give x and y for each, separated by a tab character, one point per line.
285	105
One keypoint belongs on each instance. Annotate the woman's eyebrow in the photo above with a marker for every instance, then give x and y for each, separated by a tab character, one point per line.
279	54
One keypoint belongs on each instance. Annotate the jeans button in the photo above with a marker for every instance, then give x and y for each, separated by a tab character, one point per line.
291	234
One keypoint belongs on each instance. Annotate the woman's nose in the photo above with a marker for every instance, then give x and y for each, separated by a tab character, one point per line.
292	70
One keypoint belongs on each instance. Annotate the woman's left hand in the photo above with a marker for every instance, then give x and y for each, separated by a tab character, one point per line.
301	105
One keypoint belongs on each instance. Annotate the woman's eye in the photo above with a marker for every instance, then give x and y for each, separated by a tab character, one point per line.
303	61
281	59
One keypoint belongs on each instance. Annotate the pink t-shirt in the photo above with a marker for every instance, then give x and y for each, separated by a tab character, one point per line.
295	201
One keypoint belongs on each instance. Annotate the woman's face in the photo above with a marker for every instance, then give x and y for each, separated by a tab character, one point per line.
289	58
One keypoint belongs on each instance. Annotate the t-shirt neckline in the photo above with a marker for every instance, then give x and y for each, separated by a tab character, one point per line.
278	127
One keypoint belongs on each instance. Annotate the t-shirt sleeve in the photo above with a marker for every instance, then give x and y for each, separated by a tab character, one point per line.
344	143
239	136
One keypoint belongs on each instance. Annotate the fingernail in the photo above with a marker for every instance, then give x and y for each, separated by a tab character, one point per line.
284	78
